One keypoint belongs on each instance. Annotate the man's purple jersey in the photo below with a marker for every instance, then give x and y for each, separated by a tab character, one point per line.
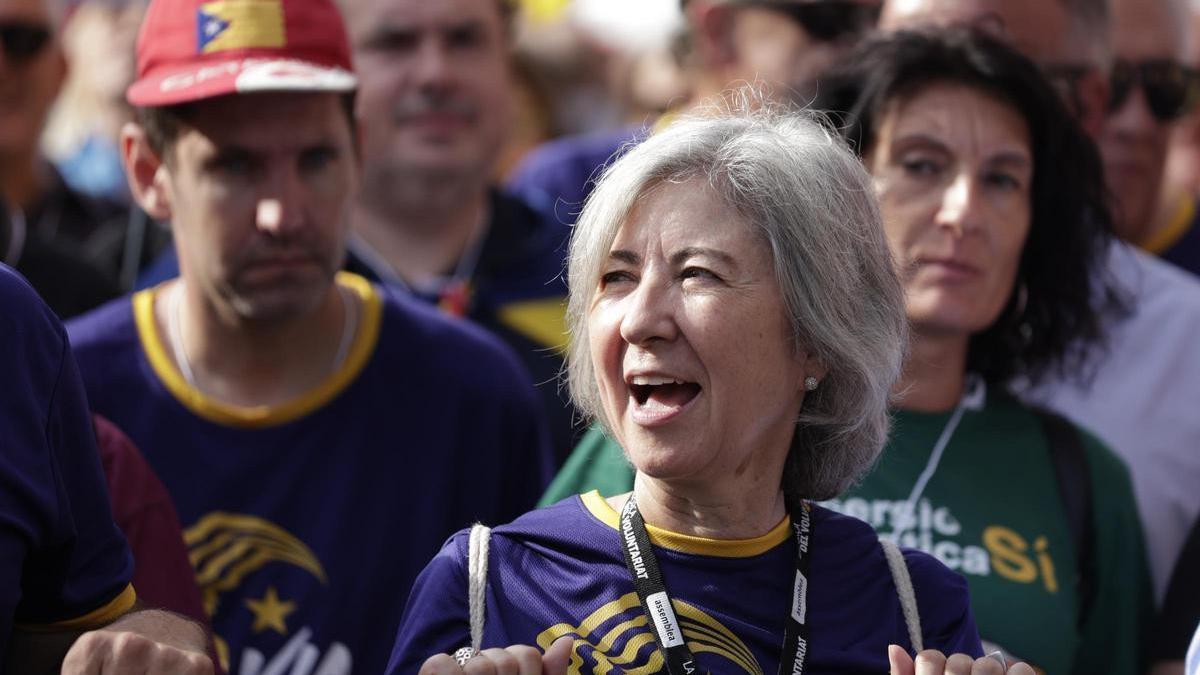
63	563
560	571
308	522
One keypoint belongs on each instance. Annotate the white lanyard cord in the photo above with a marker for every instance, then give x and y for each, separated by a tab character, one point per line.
175	331
974	392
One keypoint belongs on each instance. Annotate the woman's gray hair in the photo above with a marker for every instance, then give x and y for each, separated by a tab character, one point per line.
800	188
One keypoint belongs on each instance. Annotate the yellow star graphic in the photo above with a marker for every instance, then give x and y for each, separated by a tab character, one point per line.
270	612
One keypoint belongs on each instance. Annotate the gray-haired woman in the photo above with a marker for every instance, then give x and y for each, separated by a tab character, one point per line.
737	326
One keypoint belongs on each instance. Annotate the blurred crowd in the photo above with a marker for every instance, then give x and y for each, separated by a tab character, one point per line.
309	339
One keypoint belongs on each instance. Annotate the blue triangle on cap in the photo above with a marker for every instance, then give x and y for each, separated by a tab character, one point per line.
208	28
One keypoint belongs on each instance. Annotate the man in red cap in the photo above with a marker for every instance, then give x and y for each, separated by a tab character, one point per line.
320	435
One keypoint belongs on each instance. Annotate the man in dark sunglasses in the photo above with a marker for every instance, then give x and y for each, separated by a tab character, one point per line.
47	229
780	45
1150	90
32	71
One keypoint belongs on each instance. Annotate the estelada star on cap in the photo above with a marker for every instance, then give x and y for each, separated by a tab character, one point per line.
190	50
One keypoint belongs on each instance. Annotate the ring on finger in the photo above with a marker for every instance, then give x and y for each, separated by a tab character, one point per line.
464	654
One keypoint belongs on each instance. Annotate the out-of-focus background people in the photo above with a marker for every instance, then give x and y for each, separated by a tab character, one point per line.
435	105
48	230
321	435
709	276
594	65
779	44
1151	87
84	127
1181	178
1138	397
66	568
83	131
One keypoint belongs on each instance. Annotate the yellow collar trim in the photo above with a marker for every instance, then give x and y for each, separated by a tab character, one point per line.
366	336
686	543
1181	221
664	120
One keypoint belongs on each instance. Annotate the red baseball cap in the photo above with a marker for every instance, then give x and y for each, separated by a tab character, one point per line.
189	50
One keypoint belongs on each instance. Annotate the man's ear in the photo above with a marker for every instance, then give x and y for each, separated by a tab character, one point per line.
713	30
146	173
1092	90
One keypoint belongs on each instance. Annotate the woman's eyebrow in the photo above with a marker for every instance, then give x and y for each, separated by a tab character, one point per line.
622	255
683	254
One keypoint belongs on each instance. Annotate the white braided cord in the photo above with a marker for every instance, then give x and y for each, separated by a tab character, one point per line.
477	565
904	588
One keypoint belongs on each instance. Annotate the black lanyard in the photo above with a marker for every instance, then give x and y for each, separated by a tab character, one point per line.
647	579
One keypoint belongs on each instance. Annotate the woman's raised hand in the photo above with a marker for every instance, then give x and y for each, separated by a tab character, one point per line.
933	662
515	660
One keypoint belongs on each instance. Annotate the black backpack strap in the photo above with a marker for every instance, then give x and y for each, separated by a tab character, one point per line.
1075	488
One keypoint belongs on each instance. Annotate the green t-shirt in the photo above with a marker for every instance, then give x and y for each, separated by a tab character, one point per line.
992	512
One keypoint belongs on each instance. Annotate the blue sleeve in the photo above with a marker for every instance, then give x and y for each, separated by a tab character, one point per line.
437	617
61	554
944	603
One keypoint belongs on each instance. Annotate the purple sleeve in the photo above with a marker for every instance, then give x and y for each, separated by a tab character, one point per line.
437	617
943	600
62	555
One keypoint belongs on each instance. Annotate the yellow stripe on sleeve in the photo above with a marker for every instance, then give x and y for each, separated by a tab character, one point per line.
101	616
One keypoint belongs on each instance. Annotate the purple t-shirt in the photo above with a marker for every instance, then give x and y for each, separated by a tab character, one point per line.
61	557
560	571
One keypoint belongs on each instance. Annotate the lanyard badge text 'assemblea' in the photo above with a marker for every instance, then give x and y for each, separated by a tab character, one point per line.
656	603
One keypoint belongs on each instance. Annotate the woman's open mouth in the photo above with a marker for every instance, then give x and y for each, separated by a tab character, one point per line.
658	398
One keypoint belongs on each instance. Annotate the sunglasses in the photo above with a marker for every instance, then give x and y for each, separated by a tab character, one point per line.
1171	89
22	41
830	20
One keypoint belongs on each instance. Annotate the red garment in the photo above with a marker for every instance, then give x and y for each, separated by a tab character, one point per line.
163	576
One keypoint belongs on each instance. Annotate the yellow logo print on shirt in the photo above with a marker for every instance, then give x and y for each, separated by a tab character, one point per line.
239	24
616	636
226	547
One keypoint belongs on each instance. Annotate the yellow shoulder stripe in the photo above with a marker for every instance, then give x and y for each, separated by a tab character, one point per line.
217	411
1181	220
543	321
686	543
101	616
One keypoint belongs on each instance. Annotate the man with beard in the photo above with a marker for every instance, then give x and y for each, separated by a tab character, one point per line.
320	435
434	108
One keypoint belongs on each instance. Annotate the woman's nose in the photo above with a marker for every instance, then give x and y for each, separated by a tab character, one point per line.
959	207
649	314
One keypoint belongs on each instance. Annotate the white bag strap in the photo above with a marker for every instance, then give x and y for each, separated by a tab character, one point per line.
904	588
477	565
